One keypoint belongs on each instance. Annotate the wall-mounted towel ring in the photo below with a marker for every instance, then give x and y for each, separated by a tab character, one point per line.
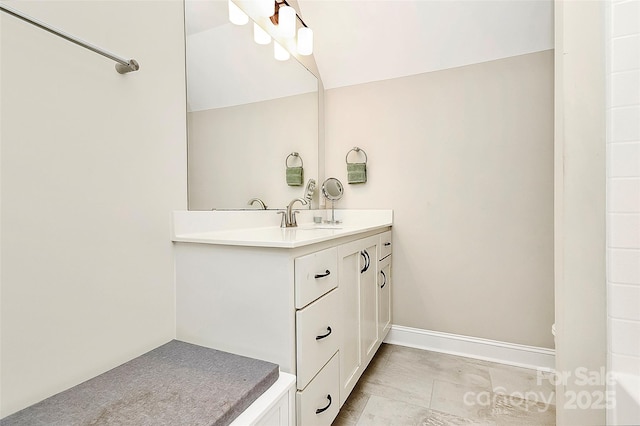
356	172
294	174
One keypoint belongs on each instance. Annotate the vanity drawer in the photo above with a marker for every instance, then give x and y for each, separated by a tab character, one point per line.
384	248
315	275
319	403
316	336
384	262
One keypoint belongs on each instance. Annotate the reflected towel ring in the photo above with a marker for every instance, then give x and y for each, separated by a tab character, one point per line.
293	154
356	149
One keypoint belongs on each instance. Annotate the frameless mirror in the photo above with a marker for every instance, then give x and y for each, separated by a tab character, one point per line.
246	112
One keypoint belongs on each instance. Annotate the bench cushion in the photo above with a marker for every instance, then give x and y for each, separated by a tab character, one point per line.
175	384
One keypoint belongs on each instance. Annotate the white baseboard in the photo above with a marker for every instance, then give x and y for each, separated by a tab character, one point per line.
473	347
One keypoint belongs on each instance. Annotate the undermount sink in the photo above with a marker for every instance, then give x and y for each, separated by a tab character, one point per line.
312	227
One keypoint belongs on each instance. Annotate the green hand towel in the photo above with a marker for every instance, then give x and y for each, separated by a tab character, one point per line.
356	172
294	176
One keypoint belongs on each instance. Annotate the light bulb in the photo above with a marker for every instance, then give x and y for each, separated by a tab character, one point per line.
287	21
279	52
305	41
260	36
266	8
236	15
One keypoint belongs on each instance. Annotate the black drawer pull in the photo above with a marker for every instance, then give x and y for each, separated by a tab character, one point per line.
326	274
387	244
322	410
385	279
324	335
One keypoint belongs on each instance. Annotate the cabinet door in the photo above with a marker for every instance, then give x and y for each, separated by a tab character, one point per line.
358	310
384	298
349	290
368	303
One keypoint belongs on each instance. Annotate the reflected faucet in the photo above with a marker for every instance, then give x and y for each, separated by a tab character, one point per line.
261	203
289	217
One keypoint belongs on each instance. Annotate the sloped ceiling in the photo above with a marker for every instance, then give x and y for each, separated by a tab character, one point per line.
358	41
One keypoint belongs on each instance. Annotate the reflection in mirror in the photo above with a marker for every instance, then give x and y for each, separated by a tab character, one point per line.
309	190
245	112
332	190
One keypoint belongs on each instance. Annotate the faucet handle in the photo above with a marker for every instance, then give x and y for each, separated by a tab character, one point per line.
293	218
283	221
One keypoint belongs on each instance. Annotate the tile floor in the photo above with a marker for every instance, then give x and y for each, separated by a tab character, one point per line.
406	386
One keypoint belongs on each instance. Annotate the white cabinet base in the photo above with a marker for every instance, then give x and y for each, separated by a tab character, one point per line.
275	407
308	309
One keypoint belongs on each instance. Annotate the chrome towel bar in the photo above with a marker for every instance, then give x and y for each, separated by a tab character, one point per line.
123	66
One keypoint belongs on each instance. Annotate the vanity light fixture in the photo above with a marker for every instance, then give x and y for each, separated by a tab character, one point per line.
266	8
279	52
283	16
305	34
287	21
260	36
236	15
305	41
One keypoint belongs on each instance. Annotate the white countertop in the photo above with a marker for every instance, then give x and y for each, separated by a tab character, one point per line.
215	228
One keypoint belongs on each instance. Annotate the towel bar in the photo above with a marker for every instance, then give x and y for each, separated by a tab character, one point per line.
123	66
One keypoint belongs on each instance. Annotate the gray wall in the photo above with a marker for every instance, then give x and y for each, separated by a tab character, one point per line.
465	158
93	163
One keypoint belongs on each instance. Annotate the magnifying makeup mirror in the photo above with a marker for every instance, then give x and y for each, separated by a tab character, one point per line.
332	190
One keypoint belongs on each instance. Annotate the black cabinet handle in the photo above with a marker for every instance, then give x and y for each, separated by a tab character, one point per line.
324	335
367	261
326	274
322	410
387	244
385	279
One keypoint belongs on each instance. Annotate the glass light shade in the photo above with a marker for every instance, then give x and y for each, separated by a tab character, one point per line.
260	36
266	8
236	15
287	21
305	41
279	52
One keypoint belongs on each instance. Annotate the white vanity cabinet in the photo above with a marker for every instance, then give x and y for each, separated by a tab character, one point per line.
316	310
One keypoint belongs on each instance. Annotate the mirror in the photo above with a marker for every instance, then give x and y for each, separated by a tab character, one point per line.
246	112
332	190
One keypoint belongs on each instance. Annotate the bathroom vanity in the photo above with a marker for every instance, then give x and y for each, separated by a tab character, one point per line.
314	299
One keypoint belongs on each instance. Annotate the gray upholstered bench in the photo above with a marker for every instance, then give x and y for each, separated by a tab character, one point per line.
175	384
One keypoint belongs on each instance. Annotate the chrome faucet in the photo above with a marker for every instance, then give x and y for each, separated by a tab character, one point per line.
289	216
261	203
